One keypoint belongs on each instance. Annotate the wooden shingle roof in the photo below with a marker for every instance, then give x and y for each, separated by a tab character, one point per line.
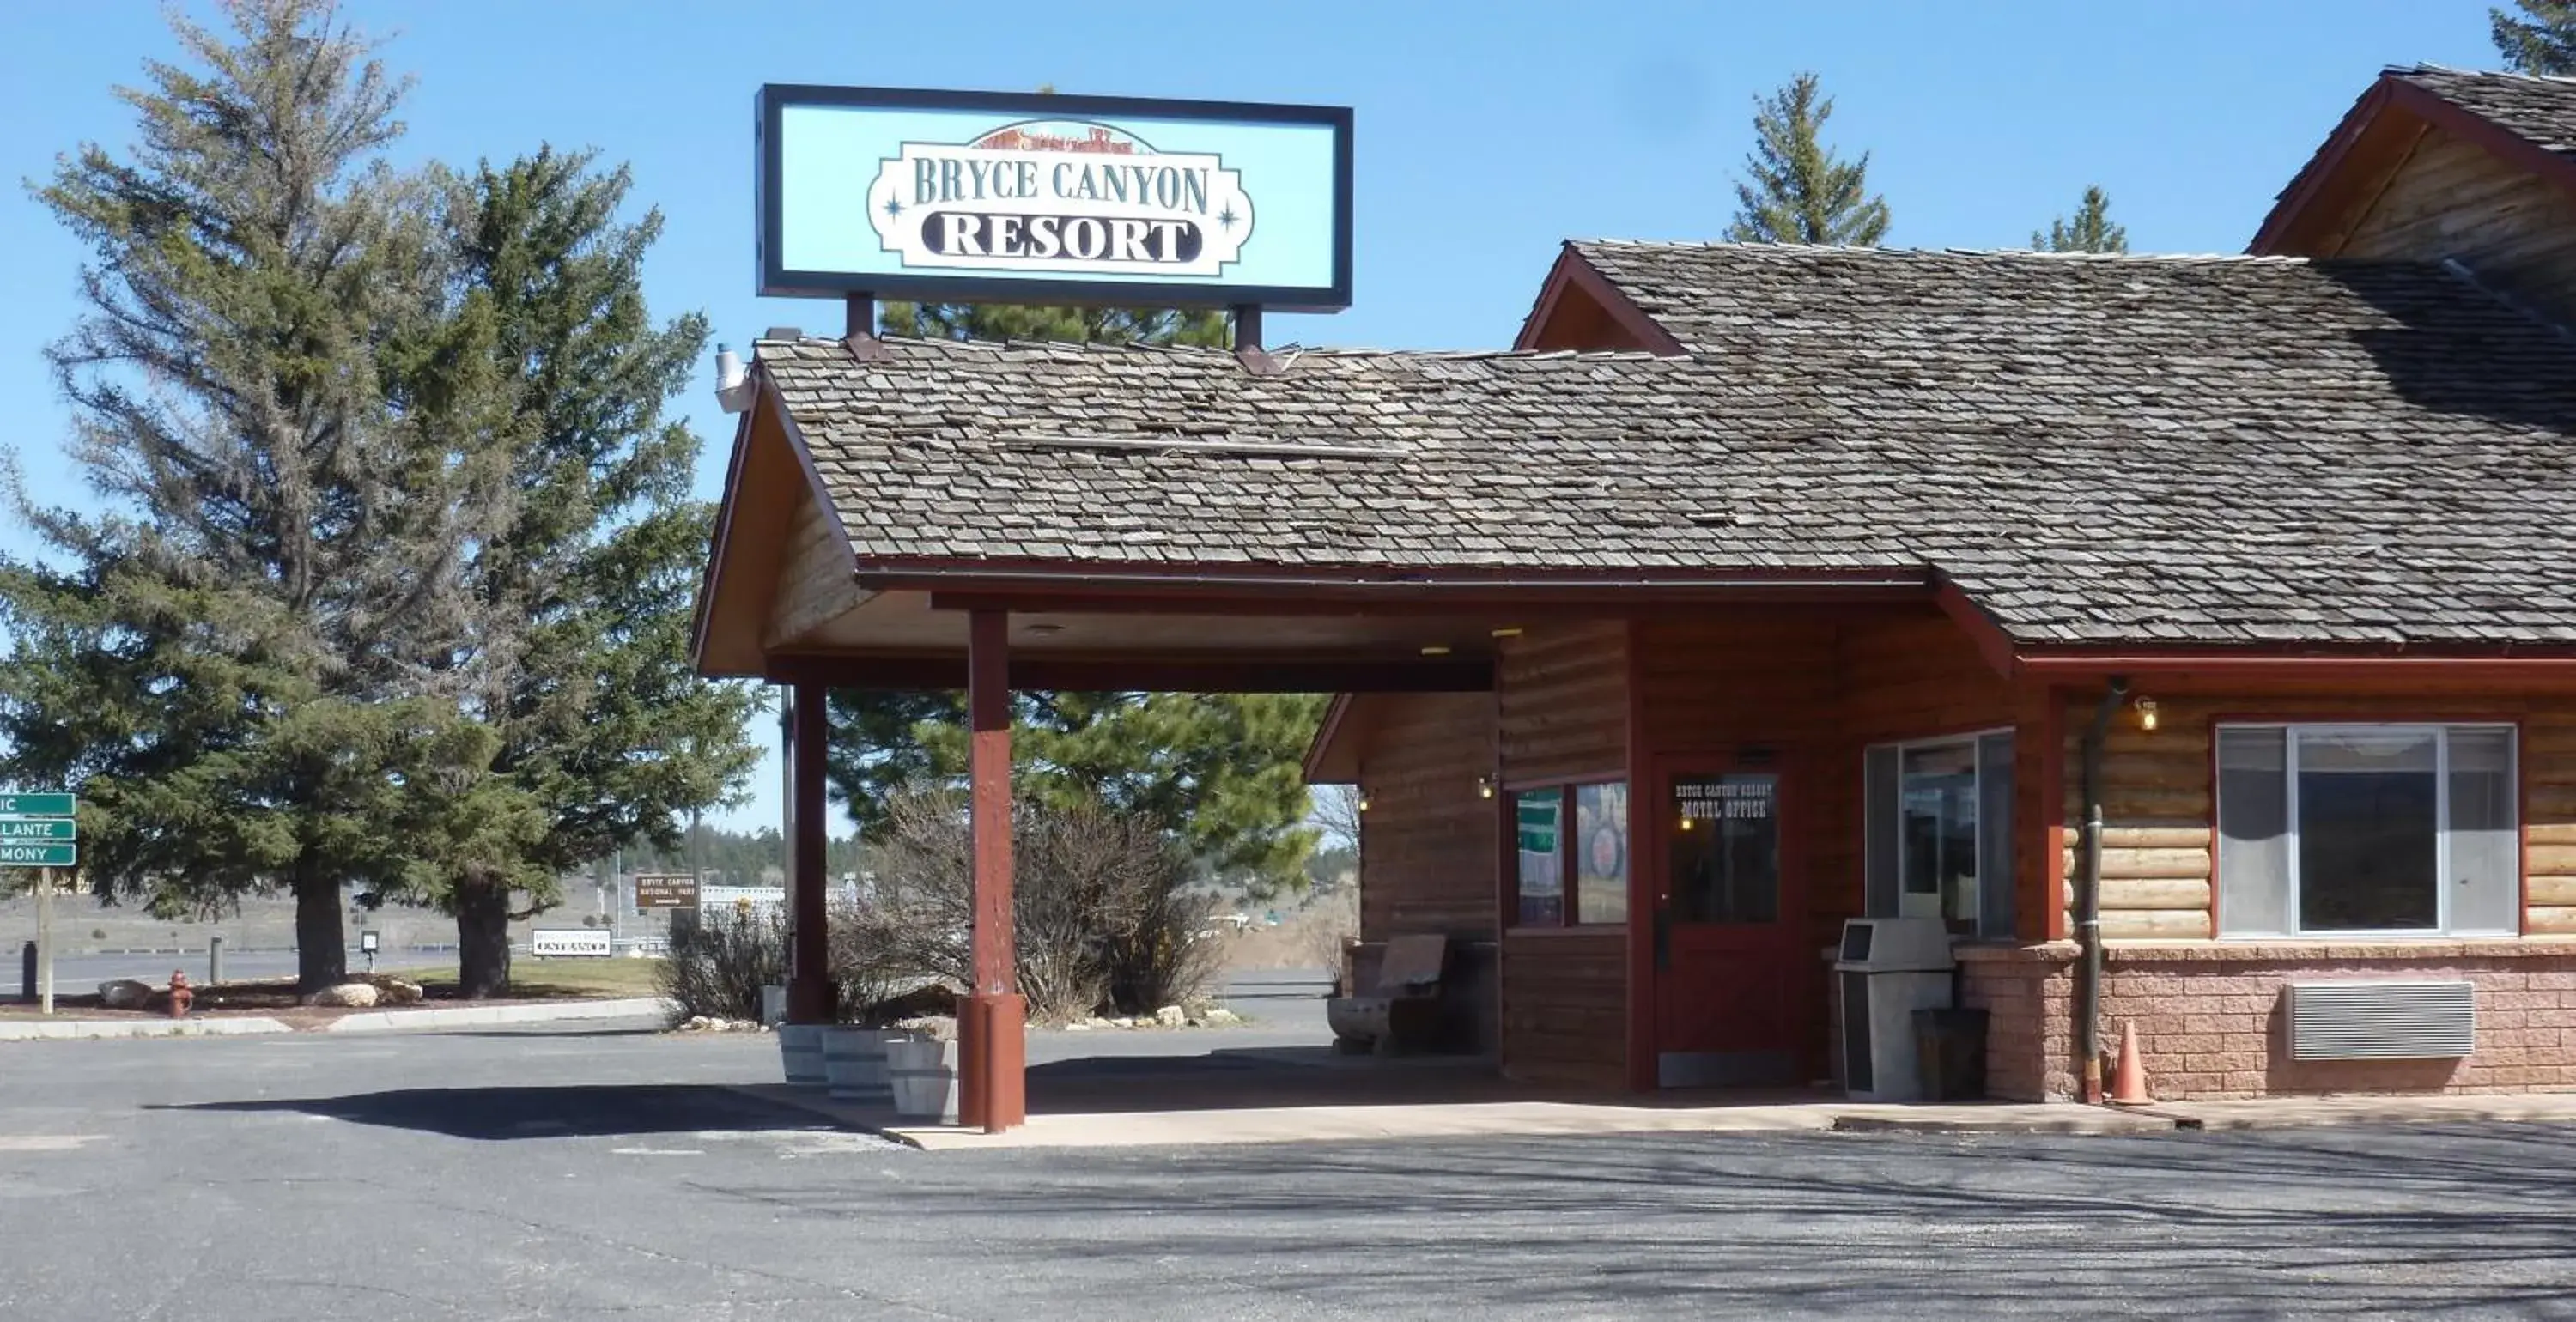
2542	111
2095	449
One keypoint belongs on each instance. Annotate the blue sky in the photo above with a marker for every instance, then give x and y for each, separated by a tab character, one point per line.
1486	132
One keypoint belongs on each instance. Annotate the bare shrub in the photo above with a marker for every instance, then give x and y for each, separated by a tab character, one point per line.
1101	906
719	962
1330	925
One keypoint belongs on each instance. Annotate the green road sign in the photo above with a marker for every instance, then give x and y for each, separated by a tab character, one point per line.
37	805
38	856
16	830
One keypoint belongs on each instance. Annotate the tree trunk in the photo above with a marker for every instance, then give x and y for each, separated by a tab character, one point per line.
321	944
482	941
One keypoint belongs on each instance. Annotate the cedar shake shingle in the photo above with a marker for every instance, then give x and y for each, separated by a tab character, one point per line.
2096	449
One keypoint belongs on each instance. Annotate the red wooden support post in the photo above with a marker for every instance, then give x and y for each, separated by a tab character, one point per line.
809	972
992	1051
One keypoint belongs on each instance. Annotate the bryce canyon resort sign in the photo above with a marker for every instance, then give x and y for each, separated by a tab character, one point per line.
995	197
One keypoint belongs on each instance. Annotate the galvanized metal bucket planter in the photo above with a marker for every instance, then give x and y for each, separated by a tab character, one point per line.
800	1053
922	1073
854	1064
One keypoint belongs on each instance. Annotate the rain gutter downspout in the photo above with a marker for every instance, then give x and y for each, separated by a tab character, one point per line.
2088	897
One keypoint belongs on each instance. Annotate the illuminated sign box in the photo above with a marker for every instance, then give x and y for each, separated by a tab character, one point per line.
997	197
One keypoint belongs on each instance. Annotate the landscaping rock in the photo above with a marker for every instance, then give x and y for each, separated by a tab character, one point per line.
395	991
1172	1016
126	994
1221	1017
353	995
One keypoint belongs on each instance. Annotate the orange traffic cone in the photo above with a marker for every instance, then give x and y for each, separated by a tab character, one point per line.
2129	1082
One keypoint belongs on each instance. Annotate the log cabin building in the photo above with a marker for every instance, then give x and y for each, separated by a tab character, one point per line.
1758	588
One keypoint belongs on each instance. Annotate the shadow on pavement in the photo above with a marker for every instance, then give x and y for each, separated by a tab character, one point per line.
2273	1223
1240	1078
574	1111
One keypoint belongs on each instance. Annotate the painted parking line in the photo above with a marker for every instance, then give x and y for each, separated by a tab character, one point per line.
45	1142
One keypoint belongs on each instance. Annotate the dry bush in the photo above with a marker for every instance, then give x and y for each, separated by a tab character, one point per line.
1100	904
719	963
1327	928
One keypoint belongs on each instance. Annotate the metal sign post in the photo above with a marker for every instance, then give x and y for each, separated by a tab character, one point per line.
40	831
45	941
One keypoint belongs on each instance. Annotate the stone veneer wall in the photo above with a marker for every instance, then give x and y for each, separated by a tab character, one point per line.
2211	1016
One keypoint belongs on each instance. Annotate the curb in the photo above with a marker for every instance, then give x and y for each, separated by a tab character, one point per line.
2093	1122
391	1021
93	1029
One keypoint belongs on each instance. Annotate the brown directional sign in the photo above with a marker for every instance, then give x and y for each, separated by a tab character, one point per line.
665	890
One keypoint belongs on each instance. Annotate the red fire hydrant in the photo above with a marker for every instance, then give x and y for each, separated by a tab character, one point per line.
180	994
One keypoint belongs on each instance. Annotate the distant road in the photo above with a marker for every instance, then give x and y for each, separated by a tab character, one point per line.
79	975
1269	993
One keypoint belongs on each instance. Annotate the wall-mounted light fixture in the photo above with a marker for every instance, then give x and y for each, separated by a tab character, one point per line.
2146	713
1436	649
1508	631
1484	787
1686	822
1363	803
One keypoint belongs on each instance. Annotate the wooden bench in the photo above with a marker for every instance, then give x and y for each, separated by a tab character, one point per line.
1401	1011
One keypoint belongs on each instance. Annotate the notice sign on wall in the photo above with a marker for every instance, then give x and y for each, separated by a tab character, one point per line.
951	195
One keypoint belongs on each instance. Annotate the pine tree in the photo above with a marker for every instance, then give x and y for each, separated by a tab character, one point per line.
593	728
2542	41
2090	231
240	657
1797	190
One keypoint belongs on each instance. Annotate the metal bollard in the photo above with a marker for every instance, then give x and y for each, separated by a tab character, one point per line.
214	961
27	972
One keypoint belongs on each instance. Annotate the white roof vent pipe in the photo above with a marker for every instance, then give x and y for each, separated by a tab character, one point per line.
733	380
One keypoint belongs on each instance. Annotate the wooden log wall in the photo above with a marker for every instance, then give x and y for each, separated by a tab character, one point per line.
1561	704
1565	1007
2159	840
2453	199
1562	694
1428	840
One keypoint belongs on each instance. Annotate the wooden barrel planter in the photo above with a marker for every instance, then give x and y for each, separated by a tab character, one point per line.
922	1073
854	1064
800	1053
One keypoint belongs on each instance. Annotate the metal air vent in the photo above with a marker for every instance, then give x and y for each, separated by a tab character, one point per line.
2381	1020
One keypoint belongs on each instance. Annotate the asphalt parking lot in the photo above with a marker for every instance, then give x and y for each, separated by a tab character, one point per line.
609	1174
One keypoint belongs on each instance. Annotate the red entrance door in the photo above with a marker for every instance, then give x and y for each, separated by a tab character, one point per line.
1733	987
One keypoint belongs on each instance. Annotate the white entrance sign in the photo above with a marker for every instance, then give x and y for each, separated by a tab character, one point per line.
569	942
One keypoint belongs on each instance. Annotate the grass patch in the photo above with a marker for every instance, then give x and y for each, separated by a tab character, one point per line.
552	979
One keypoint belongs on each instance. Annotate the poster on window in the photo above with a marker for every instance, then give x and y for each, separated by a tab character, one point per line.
1537	821
1601	853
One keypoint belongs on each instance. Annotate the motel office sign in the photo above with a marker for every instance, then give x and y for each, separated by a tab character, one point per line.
998	197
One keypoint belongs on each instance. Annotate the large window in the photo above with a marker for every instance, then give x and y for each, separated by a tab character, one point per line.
1939	831
2367	829
1571	831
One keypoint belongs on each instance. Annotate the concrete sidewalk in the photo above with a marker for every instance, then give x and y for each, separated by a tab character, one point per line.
1434	1120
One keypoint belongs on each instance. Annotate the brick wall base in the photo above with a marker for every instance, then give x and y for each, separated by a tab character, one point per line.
2212	1017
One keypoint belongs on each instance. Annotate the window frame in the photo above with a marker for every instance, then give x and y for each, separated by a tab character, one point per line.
1567	842
2295	883
1974	741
